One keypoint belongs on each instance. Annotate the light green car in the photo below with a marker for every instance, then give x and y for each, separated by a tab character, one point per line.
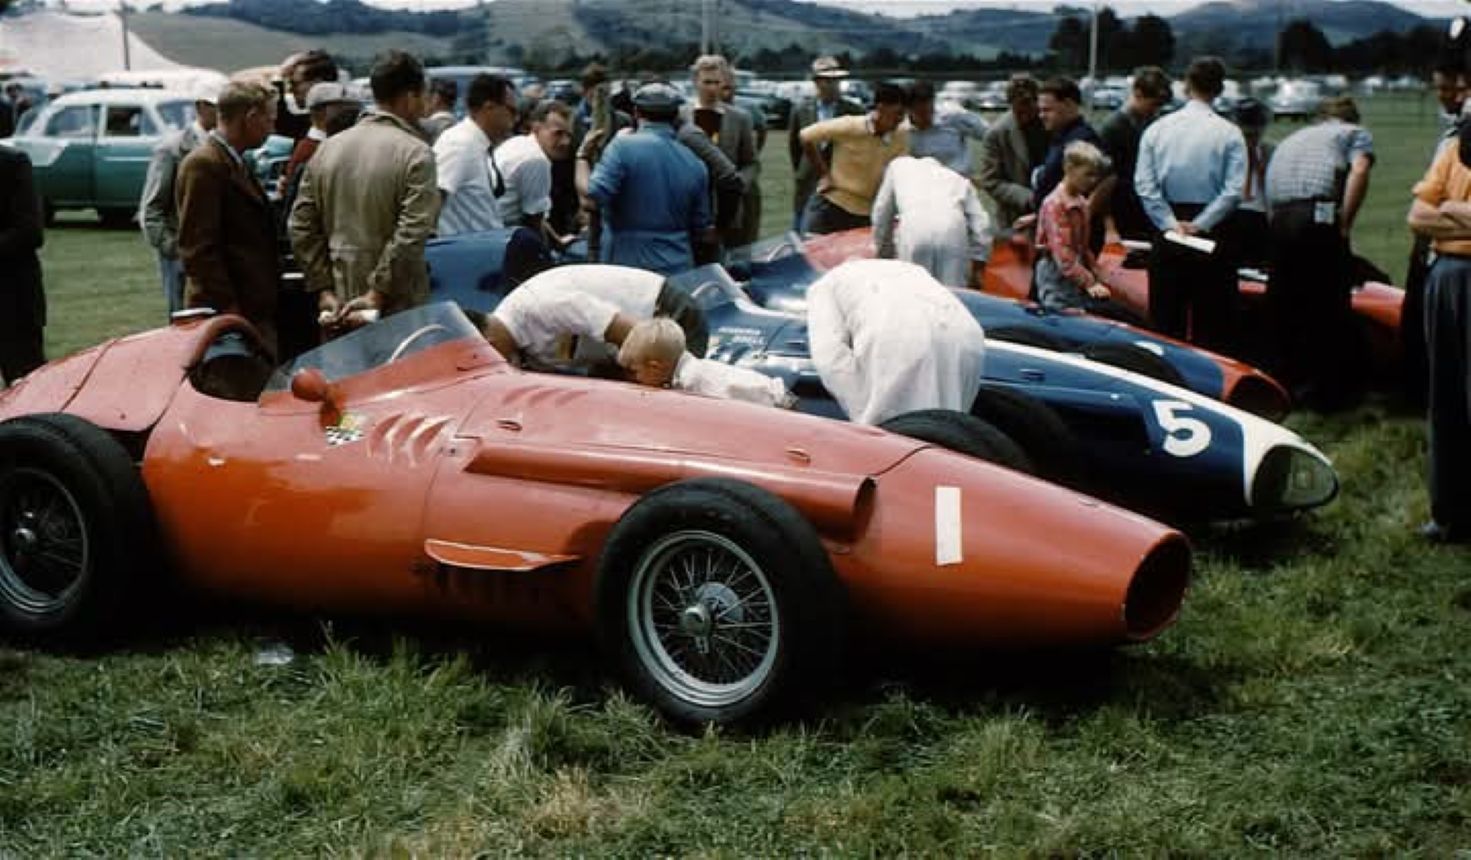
90	149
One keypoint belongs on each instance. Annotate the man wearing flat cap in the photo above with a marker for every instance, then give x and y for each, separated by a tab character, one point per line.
332	109
827	75
158	211
652	190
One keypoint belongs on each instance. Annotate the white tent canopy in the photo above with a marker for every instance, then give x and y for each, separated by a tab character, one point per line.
58	46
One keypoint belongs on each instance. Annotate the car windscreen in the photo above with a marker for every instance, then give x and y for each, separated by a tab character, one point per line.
379	343
710	286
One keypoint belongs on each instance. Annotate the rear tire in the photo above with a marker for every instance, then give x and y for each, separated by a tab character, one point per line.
1136	359
1043	436
717	603
964	434
76	529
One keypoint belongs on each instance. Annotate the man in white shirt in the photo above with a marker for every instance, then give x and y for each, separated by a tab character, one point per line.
467	176
889	339
941	223
525	164
539	321
591	316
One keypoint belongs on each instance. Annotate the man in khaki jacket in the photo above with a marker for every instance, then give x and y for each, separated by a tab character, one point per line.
369	200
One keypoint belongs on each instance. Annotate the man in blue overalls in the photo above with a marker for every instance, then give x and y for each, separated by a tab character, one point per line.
653	191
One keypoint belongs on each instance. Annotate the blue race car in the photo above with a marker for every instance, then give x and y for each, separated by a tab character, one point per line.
777	272
1111	432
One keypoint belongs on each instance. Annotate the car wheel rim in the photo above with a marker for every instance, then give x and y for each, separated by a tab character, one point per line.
703	618
44	551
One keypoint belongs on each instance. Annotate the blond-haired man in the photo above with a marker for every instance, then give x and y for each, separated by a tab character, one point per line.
227	233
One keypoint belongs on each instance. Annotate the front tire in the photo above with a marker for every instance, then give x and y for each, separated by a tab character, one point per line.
75	529
718	604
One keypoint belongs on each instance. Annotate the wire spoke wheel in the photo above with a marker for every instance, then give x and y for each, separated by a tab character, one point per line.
703	618
45	552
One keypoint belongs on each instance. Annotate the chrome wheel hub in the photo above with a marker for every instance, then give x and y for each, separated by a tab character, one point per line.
703	618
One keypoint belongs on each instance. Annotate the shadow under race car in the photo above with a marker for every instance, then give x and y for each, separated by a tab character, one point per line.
1120	435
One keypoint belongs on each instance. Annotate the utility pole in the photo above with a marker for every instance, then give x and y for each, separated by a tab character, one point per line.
122	14
704	26
1093	47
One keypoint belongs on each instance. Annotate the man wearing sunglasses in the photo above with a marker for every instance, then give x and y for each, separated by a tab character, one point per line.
469	177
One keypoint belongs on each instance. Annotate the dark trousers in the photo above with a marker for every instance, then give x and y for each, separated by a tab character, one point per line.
20	353
1193	295
1310	321
679	306
1253	238
1448	338
823	216
297	329
1412	321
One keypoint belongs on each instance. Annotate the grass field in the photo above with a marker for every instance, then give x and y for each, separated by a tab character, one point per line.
1315	698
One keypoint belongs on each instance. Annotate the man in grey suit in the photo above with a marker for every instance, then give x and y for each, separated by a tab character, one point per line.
1013	147
827	75
157	209
730	128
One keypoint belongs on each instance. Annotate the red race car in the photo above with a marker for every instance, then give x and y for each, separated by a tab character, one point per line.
719	549
1376	304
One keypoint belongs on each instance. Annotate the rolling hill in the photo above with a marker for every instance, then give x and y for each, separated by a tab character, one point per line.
246	32
227	44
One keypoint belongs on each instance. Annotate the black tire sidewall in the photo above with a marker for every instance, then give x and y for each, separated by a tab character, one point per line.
1136	359
102	480
791	557
1042	434
963	434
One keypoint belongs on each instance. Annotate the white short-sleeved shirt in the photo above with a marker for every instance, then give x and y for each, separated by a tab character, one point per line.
709	378
462	159
550	309
528	176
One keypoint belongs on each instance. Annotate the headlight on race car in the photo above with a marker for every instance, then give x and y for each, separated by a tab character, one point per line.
1292	479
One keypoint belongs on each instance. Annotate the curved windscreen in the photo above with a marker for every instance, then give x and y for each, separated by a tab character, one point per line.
379	343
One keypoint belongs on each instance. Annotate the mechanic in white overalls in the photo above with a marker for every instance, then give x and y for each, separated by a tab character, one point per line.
887	338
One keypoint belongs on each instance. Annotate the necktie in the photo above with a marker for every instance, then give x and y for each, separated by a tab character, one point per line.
498	186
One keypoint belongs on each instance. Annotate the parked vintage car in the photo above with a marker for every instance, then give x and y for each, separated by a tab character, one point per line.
90	149
1149	445
719	549
1296	99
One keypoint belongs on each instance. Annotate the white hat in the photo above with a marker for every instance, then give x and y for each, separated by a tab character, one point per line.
207	91
327	93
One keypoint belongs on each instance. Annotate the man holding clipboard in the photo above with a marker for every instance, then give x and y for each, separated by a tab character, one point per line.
1190	175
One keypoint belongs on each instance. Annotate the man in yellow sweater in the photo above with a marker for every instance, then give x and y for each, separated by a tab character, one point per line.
862	147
